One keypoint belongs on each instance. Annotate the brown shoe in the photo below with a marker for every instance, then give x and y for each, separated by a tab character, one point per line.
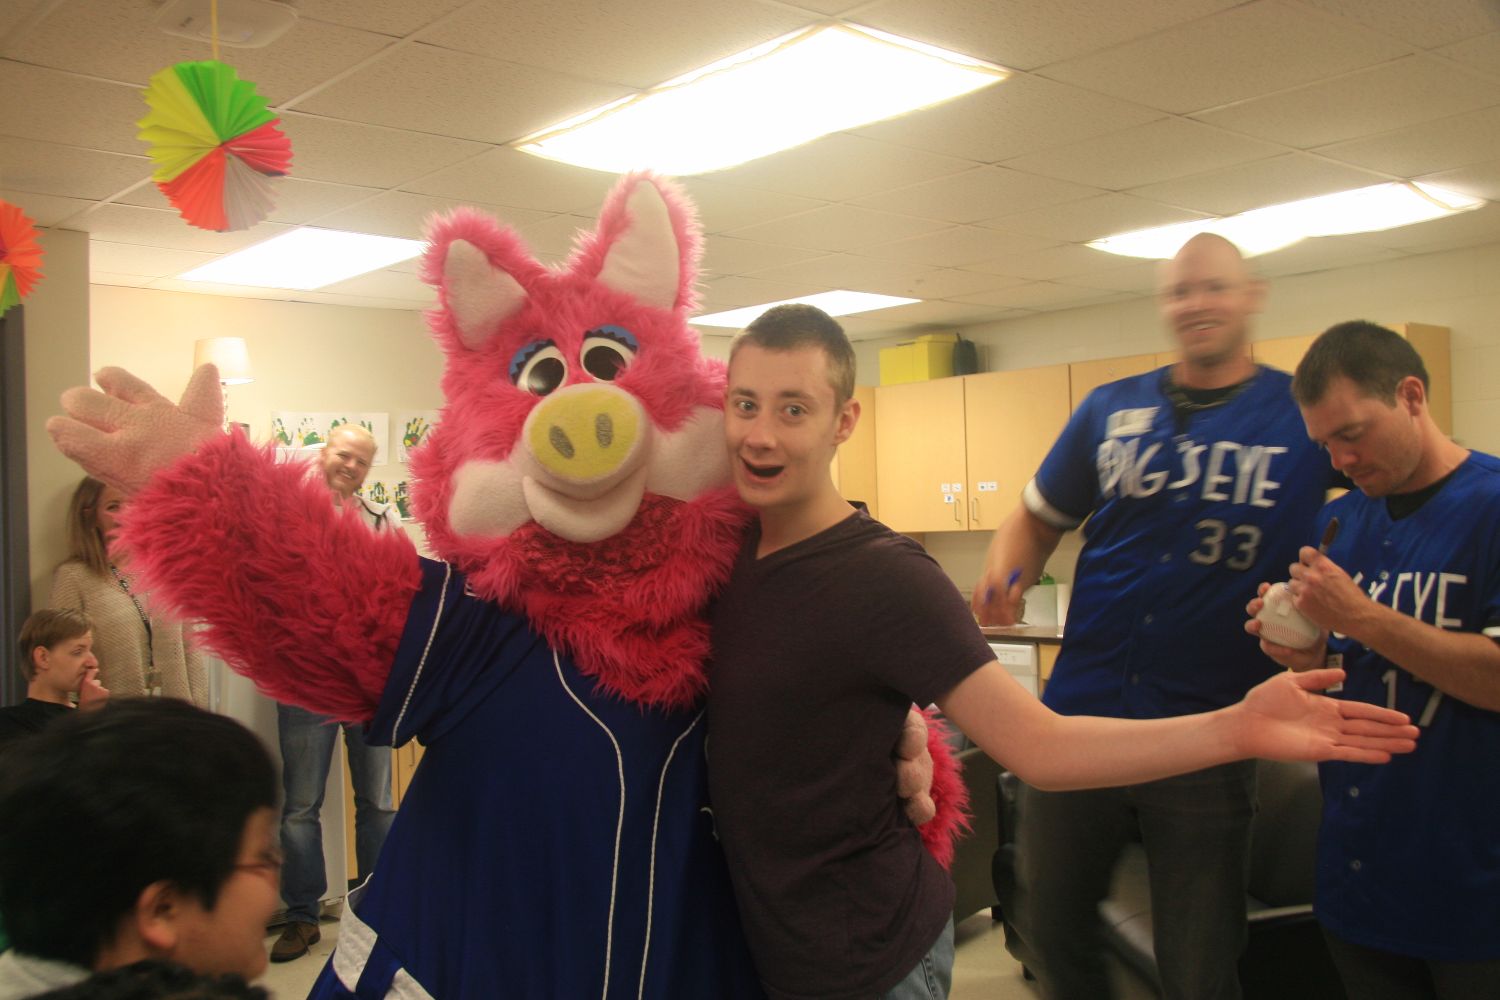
295	939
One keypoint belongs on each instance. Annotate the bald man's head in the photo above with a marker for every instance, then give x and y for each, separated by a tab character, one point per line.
347	457
1208	294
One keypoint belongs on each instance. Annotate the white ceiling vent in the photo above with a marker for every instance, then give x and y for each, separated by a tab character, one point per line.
246	24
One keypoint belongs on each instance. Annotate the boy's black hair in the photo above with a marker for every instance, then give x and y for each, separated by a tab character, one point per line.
103	803
154	979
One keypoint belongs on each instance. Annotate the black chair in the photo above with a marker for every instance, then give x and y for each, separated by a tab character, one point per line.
1285	958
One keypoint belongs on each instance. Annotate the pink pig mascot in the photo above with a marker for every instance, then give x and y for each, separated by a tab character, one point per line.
556	841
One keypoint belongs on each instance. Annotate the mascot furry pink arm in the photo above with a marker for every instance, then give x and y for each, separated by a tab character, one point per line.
555	841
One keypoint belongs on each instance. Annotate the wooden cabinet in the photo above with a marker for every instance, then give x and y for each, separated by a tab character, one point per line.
953	454
1086	376
854	465
1011	420
1431	342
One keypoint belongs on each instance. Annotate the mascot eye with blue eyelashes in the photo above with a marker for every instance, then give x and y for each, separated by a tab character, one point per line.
607	351
539	368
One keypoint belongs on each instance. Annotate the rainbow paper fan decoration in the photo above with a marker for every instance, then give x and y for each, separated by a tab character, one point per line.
215	145
20	256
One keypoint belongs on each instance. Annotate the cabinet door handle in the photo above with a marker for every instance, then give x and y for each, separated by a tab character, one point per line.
958	516
974	511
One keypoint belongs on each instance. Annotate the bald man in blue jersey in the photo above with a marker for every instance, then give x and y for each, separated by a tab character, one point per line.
1408	593
1197	481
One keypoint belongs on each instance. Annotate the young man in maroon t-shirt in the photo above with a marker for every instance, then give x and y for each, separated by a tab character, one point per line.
830	626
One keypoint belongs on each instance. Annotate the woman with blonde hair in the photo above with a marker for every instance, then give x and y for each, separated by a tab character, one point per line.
140	652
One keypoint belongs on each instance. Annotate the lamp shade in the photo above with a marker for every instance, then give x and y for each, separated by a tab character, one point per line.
228	354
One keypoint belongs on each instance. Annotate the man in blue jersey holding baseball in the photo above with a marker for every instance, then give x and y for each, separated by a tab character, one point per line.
1197	480
1408	888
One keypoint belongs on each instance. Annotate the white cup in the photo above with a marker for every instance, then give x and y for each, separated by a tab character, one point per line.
1282	623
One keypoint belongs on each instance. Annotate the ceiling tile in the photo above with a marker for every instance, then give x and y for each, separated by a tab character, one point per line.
1023	114
427	89
1136	276
57	107
1321	254
1466	229
398	18
725	207
325	149
358	301
1023	34
1451	142
981	193
946	283
109	278
1253	49
636	44
119	41
726	255
396	213
122	258
735	292
958	246
947	313
1426	25
297	201
47	168
11	16
45	209
386	284
1092	218
508	177
1038	295
843	270
1481	180
552	238
838	227
1066	261
1156	151
1481	53
842	167
1272	181
151	227
1399	93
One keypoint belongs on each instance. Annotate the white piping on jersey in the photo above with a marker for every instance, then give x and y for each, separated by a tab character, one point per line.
1493	632
661	786
1032	497
614	877
436	621
356	942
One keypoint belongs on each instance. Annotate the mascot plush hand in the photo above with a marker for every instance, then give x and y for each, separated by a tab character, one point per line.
556	840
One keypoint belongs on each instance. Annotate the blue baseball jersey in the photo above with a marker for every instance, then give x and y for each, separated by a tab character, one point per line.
555	841
1183	521
1409	852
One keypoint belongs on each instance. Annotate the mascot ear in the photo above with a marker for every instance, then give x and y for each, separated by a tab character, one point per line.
644	259
479	295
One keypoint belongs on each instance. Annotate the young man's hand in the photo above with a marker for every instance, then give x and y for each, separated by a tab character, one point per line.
1285	719
92	694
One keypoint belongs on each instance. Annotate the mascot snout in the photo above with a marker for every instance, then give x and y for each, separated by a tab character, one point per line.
586	439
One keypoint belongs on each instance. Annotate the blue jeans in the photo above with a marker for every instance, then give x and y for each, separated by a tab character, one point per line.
1196	832
933	975
307	742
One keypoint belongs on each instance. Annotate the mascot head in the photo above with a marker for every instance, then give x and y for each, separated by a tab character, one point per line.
578	473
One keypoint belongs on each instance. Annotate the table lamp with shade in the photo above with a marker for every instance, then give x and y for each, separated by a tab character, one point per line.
231	357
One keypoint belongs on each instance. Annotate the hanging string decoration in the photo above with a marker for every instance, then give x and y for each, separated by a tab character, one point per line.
216	146
20	256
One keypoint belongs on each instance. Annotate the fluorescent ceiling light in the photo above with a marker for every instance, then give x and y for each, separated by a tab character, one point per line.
778	95
304	259
1363	210
835	303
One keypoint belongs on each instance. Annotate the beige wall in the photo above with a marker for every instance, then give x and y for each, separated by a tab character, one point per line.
304	356
57	356
1459	289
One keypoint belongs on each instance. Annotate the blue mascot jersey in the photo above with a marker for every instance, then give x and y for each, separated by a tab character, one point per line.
1183	523
555	841
1409	852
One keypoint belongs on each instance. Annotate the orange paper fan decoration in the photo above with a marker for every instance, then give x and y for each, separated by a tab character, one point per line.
20	256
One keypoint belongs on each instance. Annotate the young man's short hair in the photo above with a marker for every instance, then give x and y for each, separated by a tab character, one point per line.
47	628
102	804
790	327
154	979
1374	358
